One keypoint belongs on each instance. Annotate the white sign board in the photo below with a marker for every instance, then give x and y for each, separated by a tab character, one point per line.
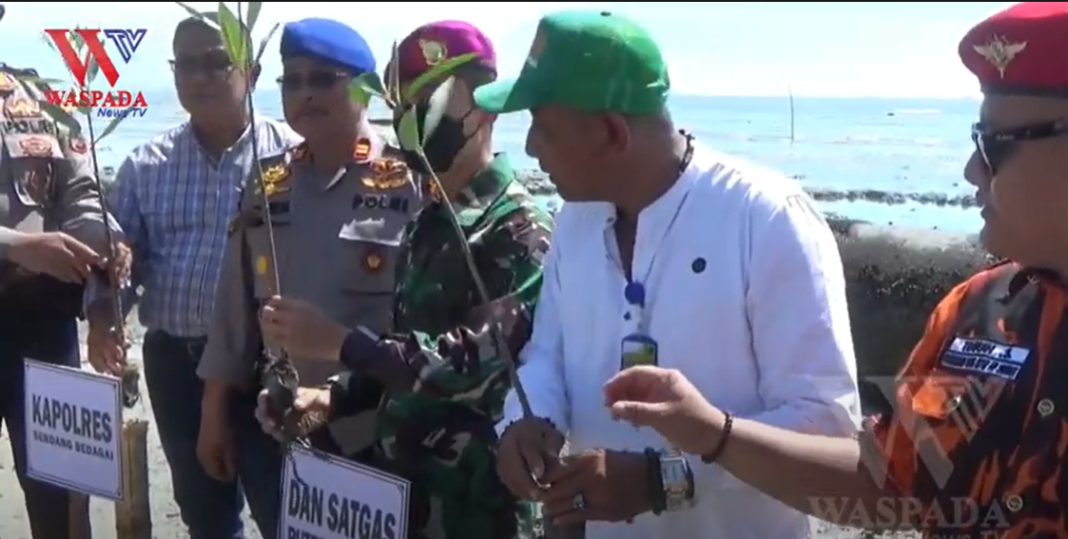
327	497
74	429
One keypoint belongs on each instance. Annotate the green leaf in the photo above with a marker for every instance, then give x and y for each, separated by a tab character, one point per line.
114	124
189	9
92	70
436	106
233	36
253	15
437	71
62	117
408	131
48	41
265	41
393	85
76	41
37	81
366	86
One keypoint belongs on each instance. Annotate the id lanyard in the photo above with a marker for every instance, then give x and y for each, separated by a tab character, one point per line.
638	347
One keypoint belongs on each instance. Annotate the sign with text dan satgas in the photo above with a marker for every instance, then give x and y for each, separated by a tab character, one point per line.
74	429
326	497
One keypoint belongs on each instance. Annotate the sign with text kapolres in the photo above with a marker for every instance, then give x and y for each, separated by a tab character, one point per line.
74	429
326	497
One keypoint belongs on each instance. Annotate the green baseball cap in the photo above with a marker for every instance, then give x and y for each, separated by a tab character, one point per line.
590	60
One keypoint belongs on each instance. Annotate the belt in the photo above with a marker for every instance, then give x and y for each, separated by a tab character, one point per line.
194	346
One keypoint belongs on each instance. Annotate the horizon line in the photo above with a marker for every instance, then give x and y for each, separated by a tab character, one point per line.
976	97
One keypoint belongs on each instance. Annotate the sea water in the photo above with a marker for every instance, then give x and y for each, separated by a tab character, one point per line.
891	145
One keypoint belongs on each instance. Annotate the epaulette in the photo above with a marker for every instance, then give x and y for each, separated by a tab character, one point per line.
16	71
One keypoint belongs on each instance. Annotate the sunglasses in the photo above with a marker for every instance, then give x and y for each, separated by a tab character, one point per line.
208	64
996	147
315	80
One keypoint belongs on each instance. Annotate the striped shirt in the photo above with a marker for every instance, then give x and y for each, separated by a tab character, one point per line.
174	205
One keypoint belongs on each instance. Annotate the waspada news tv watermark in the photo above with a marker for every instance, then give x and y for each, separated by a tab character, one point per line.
952	518
85	55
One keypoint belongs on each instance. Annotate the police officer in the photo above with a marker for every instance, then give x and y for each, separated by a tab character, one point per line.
53	240
337	206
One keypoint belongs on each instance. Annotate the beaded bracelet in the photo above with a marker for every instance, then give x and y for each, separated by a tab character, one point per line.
728	422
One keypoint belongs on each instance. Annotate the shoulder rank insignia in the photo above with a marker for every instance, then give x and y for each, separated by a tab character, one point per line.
273	179
36	146
22	107
1000	52
387	174
434	52
7	82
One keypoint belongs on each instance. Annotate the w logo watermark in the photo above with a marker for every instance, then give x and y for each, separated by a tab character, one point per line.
932	416
935	405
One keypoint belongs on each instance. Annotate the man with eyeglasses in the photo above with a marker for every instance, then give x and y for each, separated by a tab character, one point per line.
323	225
175	196
975	445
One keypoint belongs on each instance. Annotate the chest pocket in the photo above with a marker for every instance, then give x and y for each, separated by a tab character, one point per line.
33	168
952	410
258	236
371	246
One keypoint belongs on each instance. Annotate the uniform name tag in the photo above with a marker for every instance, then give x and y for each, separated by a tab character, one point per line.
985	357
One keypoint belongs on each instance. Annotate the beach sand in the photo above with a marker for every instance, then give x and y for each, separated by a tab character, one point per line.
166	523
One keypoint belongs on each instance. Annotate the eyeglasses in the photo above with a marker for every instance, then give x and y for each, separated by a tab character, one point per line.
996	147
314	80
210	64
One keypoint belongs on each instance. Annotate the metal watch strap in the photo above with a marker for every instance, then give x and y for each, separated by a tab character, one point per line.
677	478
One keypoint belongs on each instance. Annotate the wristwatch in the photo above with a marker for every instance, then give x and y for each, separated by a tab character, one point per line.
676	479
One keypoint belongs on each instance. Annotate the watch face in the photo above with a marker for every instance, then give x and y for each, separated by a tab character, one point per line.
678	483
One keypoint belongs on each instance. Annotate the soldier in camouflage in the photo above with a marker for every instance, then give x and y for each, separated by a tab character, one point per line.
439	378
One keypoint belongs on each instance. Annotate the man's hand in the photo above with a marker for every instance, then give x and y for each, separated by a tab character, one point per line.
107	348
215	446
120	264
55	254
300	329
602	485
311	410
666	401
527	449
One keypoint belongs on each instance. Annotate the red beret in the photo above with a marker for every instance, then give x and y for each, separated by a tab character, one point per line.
1022	50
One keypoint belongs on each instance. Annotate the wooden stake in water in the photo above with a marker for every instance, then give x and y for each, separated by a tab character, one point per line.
790	92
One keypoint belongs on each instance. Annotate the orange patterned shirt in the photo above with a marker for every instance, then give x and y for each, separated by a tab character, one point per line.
979	435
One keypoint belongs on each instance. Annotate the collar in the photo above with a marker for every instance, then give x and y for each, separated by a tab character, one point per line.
486	187
364	150
187	130
1033	276
660	213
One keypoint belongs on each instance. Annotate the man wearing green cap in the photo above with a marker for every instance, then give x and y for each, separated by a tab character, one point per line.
679	257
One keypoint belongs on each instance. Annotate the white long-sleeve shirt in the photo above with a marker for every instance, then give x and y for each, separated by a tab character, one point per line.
745	296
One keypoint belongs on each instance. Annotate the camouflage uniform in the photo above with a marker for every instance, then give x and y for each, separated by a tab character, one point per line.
444	380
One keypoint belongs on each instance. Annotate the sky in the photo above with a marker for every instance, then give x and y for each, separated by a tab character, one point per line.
830	49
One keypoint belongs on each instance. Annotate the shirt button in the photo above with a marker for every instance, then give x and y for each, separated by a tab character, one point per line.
1014	502
1045	407
953	403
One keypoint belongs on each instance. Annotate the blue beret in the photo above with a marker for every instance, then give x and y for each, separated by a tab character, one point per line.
330	41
